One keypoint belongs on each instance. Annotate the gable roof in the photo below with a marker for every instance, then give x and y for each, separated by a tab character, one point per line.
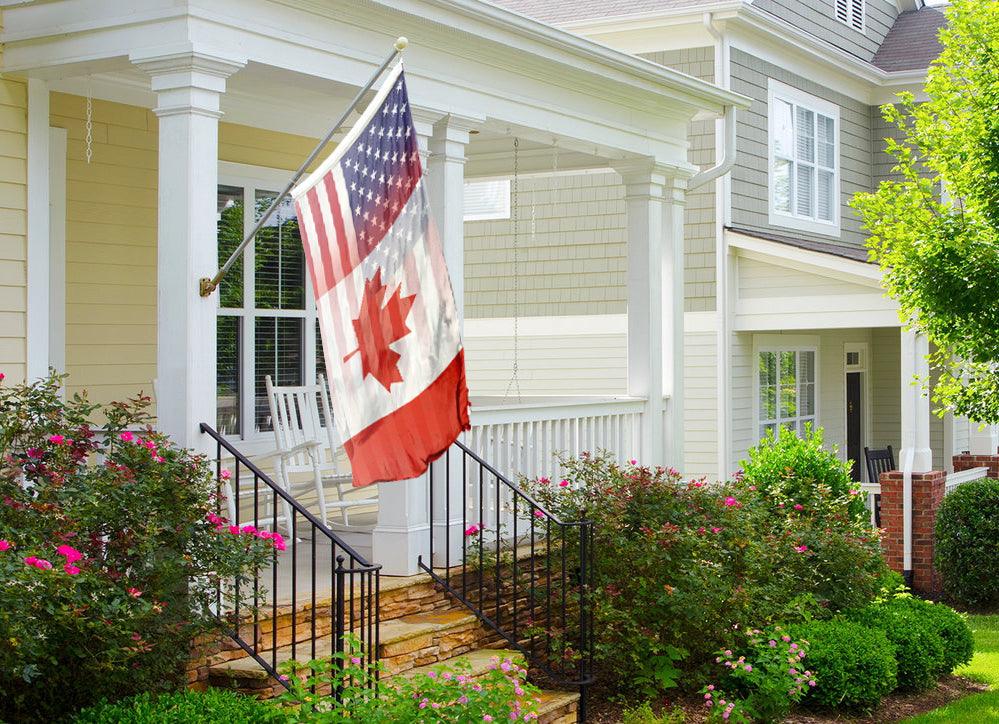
564	11
912	42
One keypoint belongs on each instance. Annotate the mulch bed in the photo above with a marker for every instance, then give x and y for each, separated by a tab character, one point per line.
895	707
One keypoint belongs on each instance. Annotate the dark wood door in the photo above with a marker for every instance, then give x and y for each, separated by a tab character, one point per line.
854	437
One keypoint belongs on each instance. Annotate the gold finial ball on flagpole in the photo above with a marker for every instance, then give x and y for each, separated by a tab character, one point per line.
401	42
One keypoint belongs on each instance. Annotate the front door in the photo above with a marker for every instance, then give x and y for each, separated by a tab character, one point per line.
854	434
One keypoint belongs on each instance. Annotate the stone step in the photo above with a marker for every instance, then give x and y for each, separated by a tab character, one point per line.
404	643
479	662
558	707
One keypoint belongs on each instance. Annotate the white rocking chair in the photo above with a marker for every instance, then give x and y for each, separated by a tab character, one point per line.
306	446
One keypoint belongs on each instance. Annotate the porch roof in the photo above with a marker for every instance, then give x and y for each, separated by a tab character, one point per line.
466	57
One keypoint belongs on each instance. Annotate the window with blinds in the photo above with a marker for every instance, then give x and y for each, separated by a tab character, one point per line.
803	160
266	317
850	12
486	200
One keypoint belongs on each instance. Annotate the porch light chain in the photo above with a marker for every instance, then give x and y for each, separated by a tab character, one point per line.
90	121
514	383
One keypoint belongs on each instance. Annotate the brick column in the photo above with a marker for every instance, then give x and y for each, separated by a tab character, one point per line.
927	494
967	461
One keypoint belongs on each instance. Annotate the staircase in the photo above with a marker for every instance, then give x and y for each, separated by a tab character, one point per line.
525	599
420	628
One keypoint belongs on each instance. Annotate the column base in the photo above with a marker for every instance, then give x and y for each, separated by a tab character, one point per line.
398	549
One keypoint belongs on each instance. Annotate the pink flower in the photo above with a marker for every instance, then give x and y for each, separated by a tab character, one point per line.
283	677
355	660
30	560
801	548
34	452
707	696
811	682
486	717
773	643
715	530
711	687
126	436
749	667
730	501
563	483
544	480
799	506
5	545
40	563
248	529
854	492
226	474
462	699
632	462
69	553
71	569
158	459
234	529
2	376
539	513
56	439
263	534
472	529
134	592
279	543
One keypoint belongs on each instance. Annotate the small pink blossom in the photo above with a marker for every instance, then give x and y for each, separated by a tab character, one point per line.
34	452
544	480
56	439
126	436
799	506
2	376
278	541
563	483
715	529
730	501
801	548
5	545
355	660
69	553
71	569
134	592
539	513
248	529
487	717
472	529
234	529
226	474
632	462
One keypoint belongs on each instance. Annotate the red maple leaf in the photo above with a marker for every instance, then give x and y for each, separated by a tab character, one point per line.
377	327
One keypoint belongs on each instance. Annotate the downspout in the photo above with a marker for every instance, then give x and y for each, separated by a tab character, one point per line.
726	138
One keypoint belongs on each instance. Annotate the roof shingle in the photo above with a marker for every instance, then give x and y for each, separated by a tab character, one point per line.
912	42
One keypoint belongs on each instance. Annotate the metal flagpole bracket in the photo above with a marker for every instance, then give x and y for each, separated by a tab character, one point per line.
206	286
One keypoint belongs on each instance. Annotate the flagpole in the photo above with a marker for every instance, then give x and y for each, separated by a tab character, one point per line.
206	285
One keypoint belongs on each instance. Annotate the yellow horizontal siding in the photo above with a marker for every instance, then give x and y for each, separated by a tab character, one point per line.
13	223
111	217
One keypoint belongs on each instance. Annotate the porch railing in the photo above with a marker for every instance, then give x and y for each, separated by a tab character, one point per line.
954	480
319	588
523	439
520	569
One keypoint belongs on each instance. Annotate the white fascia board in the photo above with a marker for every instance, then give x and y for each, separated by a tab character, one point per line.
815	320
812	262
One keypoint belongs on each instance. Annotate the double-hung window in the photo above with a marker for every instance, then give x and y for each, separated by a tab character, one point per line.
266	316
804	161
786	389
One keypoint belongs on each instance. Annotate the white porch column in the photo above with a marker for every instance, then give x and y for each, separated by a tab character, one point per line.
446	178
916	455
188	86
655	197
37	322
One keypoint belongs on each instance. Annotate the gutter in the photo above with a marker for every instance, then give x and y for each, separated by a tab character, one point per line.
727	161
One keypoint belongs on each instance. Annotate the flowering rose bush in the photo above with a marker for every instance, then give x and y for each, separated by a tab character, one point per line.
446	694
682	567
110	553
764	682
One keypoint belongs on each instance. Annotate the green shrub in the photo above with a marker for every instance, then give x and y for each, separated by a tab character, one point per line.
919	648
952	628
792	469
109	558
209	707
854	664
967	543
643	714
704	561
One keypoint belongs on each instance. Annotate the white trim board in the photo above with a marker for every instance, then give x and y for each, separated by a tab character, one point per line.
57	248
37	315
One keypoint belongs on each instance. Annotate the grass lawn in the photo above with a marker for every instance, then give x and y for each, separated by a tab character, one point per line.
984	668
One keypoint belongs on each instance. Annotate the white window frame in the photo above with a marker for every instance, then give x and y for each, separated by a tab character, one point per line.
252	179
501	211
792	220
784	343
851	8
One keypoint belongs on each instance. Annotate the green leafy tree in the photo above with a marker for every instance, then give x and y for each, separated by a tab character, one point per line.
935	227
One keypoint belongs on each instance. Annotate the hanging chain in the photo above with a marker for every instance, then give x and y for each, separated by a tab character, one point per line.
514	383
90	121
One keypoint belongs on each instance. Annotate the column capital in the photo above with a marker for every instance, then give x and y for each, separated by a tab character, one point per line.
650	178
187	80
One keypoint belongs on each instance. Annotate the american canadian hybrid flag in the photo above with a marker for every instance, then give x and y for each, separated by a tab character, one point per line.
386	310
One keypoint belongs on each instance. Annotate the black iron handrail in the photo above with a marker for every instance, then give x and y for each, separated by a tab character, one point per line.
352	603
522	571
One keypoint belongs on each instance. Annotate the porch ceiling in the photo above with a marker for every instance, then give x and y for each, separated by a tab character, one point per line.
466	57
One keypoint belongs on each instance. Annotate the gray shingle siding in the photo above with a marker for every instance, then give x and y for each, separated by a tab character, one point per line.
750	177
699	219
818	18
